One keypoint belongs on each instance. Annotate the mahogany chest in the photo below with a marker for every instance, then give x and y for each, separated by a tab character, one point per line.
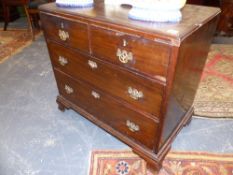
137	80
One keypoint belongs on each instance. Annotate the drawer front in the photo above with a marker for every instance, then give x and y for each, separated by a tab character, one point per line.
105	108
132	52
139	92
73	34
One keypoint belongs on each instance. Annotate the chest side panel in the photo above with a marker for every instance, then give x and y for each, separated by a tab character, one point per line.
192	56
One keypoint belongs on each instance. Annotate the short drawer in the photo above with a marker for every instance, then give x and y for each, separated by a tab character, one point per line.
143	94
70	33
130	51
128	122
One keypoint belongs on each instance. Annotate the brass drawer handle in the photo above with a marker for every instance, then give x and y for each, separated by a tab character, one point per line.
92	64
124	56
134	93
68	89
63	35
132	126
95	94
63	61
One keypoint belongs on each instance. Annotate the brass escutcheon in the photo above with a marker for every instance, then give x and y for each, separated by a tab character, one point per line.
125	43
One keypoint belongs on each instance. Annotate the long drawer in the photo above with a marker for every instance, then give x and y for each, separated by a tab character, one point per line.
142	93
130	51
71	33
128	122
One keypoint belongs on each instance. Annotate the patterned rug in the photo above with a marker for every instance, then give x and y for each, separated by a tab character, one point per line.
214	97
13	41
175	163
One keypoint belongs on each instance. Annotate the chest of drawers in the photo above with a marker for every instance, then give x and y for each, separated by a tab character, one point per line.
134	79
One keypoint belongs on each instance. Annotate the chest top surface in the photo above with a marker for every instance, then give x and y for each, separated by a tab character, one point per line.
193	17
